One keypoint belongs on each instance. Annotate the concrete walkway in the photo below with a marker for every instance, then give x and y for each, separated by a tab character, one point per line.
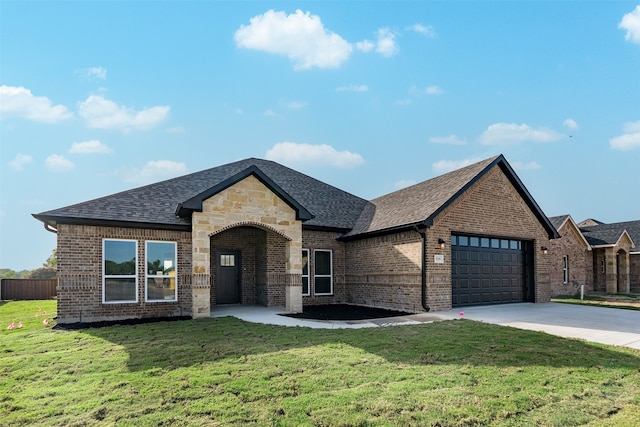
596	324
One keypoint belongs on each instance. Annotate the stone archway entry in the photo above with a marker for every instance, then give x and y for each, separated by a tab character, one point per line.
228	288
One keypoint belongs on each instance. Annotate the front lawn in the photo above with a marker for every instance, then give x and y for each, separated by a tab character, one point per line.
227	372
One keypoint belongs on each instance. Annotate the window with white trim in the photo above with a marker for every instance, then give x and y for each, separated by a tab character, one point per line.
305	272
565	269
322	272
119	271
161	271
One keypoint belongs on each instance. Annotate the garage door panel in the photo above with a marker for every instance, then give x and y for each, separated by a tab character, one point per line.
491	272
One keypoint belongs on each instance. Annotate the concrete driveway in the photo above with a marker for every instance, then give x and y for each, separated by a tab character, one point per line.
597	324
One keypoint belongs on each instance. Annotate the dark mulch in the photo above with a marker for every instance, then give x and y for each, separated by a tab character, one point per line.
127	322
344	312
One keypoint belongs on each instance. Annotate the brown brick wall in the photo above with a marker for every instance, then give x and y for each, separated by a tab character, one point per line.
385	271
634	264
580	261
80	274
313	240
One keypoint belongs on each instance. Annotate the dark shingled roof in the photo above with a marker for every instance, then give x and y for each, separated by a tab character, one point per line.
421	203
608	234
557	221
155	205
169	204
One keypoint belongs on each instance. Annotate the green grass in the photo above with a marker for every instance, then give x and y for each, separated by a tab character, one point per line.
227	372
621	301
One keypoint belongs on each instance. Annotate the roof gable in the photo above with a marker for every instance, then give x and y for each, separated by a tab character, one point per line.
603	235
185	209
566	221
420	204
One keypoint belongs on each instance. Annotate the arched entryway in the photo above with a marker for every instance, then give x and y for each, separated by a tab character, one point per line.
248	266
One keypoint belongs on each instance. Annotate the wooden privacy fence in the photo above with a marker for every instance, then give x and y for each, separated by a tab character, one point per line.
27	289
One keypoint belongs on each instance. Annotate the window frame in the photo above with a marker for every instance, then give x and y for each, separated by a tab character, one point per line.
148	276
119	276
330	275
565	269
308	275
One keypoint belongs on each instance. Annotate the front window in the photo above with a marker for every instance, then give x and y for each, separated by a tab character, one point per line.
323	275
119	271
161	271
565	269
305	272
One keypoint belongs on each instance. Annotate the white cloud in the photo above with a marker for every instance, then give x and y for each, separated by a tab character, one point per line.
427	30
300	36
511	133
99	112
89	147
57	163
20	161
631	23
433	90
404	183
20	102
270	113
444	166
290	152
386	45
365	45
631	127
449	140
522	166
296	105
570	124
155	170
629	140
91	73
352	88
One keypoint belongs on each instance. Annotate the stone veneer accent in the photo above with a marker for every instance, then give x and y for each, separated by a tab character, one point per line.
80	274
248	202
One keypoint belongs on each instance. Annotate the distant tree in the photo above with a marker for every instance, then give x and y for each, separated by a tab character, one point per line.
52	261
43	273
6	273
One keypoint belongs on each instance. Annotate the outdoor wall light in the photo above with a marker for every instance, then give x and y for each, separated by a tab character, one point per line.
441	242
544	249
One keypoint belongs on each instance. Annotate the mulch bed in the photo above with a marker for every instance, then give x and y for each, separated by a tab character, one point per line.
344	312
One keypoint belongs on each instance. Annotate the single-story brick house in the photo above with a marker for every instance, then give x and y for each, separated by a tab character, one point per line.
257	232
602	257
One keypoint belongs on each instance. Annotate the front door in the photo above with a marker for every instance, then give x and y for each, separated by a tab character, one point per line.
228	277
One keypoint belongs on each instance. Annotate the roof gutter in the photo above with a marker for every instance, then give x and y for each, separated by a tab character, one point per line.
423	277
50	228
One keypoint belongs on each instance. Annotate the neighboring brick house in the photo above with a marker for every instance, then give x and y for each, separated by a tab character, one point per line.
257	232
602	257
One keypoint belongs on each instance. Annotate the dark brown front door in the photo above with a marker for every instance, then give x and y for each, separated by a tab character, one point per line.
228	277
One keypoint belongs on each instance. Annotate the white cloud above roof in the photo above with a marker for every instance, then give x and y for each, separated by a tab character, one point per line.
512	133
629	140
525	166
154	170
449	140
352	88
101	113
631	23
20	161
386	44
323	154
444	166
58	163
89	147
300	36
18	101
93	73
570	124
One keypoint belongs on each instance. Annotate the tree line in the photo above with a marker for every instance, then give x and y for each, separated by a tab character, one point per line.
49	270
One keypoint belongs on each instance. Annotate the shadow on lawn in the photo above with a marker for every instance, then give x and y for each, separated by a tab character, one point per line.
170	345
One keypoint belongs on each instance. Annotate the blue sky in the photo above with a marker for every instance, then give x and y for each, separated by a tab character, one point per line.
99	97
